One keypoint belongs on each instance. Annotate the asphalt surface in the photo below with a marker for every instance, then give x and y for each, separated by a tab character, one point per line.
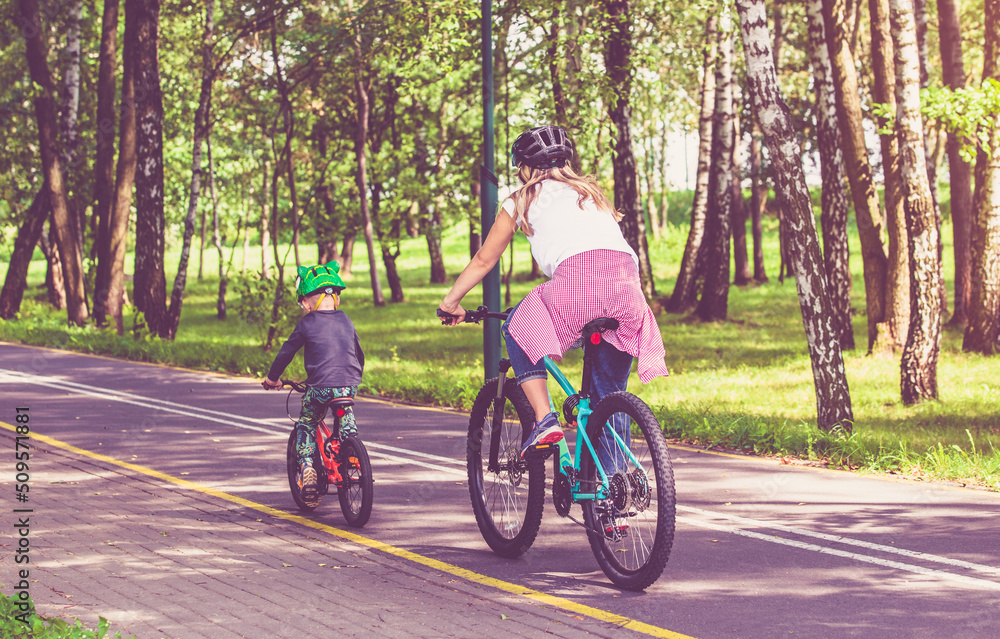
159	501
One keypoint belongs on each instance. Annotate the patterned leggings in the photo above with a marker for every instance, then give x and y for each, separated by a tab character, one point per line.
314	410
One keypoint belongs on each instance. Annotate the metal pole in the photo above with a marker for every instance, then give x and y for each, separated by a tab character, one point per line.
488	199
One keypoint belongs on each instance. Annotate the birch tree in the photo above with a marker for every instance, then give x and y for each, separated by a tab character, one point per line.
149	285
833	400
619	66
835	203
897	293
714	302
859	170
960	180
36	52
685	295
983	331
104	162
121	202
198	135
923	342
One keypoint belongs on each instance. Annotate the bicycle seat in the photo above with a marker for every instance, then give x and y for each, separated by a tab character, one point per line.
342	402
598	325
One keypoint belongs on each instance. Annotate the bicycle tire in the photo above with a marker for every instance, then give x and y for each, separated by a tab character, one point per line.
632	532
356	492
292	466
508	509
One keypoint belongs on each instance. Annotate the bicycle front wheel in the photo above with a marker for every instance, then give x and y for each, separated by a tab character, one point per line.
356	492
631	532
508	493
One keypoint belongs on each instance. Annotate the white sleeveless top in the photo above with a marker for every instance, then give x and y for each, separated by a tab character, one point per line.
561	229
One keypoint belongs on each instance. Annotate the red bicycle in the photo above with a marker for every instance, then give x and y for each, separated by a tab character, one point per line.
340	463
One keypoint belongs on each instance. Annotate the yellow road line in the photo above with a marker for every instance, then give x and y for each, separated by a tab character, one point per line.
515	589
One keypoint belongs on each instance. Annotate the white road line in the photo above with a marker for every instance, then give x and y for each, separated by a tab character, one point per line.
756	523
185	409
887	563
251	424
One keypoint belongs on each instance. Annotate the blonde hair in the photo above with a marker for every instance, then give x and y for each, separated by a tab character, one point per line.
585	186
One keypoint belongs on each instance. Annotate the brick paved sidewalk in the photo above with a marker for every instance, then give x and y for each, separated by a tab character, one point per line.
158	560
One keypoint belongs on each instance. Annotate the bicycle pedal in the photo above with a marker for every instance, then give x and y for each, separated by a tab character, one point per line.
543	450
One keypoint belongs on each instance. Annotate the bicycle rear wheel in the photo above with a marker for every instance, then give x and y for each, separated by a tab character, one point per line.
356	492
507	498
632	531
292	465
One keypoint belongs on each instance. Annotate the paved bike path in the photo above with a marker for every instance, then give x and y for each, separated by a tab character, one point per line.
762	550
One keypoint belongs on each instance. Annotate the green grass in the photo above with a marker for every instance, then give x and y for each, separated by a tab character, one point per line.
742	384
17	622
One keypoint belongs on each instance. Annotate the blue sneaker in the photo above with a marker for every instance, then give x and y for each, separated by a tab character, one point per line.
546	431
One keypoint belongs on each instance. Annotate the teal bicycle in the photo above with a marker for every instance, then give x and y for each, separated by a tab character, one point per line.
620	475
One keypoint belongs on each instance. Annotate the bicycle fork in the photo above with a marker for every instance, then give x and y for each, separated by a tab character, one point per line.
497	426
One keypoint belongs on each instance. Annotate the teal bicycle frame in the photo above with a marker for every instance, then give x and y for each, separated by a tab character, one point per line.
565	458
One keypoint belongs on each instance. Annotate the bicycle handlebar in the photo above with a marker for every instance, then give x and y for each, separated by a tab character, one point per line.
476	316
289	382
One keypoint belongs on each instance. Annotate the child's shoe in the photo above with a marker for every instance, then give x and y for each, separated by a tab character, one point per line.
308	486
546	431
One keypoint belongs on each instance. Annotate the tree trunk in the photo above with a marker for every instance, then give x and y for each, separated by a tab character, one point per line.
714	303
16	279
758	197
347	254
287	114
432	231
835	204
920	16
361	172
124	173
265	232
198	135
897	303
960	182
741	263
55	283
982	334
149	285
361	179
859	170
217	238
201	244
70	112
685	293
923	343
618	65
36	54
104	162
552	48
833	399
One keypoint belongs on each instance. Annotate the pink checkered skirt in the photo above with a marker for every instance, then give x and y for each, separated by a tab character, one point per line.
598	283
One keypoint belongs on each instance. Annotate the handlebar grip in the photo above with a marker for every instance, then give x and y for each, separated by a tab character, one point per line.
444	315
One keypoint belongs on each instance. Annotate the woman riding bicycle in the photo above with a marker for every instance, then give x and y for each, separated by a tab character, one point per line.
575	239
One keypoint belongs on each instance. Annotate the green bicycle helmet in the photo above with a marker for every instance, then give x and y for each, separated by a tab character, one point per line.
320	278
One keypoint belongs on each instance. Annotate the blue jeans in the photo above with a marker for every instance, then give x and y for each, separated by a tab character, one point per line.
608	374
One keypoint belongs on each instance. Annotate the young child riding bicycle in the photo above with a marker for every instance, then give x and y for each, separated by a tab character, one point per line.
334	362
575	239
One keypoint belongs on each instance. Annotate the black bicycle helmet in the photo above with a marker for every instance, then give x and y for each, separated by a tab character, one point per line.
543	147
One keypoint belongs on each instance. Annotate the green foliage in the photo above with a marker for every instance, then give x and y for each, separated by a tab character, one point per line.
254	304
971	114
37	627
